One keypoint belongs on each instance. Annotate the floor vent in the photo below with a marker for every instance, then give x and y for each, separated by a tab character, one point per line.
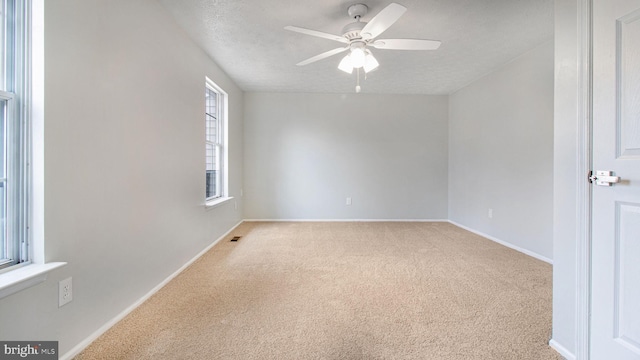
235	238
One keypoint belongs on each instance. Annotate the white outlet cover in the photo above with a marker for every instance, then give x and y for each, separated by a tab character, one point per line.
65	291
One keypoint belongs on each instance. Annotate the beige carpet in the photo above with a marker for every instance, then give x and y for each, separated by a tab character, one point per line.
345	291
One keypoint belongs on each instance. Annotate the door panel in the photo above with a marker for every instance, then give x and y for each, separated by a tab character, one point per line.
615	233
628	64
627	273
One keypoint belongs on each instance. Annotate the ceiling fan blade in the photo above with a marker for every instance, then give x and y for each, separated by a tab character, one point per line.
317	34
382	21
405	44
323	56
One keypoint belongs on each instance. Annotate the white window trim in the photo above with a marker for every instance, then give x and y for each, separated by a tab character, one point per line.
224	191
215	202
23	276
14	280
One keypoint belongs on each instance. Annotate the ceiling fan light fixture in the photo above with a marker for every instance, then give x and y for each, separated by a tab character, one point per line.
345	65
370	62
358	36
357	57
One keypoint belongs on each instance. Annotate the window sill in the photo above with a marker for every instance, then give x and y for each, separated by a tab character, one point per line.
25	277
217	202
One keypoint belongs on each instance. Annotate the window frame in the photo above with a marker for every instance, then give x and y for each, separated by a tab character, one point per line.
221	193
15	91
30	86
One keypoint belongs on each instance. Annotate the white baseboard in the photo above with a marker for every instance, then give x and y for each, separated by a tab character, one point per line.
86	342
561	350
507	244
346	220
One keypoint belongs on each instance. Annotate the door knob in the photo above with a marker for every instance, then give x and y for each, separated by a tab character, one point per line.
603	178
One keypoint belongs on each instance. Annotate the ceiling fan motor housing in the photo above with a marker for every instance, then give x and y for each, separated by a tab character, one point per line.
352	30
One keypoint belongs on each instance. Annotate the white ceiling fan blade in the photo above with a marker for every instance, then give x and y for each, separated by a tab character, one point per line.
405	44
323	56
382	21
317	34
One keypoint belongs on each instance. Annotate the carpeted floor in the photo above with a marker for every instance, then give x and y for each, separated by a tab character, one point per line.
345	291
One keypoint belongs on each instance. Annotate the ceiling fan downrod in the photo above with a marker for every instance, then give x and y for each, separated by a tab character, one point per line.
356	11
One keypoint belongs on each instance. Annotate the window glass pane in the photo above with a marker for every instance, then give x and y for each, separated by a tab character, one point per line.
3	138
4	251
212	129
211	114
212	173
3	31
211	159
4	246
218	171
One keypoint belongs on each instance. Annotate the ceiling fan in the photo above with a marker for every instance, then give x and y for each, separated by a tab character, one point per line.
358	36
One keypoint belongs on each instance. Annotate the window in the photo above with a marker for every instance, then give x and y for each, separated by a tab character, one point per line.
14	141
215	123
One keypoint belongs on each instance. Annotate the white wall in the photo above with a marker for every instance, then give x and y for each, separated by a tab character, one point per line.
305	153
501	153
124	164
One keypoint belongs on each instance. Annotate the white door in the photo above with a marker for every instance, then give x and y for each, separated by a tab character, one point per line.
615	287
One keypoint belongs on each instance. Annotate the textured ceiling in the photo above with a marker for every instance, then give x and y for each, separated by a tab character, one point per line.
246	38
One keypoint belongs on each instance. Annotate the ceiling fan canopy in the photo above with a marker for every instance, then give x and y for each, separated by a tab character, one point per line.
358	36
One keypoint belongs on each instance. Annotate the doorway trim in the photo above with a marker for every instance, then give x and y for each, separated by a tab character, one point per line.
583	188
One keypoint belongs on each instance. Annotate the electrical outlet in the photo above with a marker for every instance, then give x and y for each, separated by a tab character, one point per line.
490	214
348	201
65	292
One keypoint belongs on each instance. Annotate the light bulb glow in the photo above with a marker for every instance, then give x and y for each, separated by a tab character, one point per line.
345	65
370	63
357	57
